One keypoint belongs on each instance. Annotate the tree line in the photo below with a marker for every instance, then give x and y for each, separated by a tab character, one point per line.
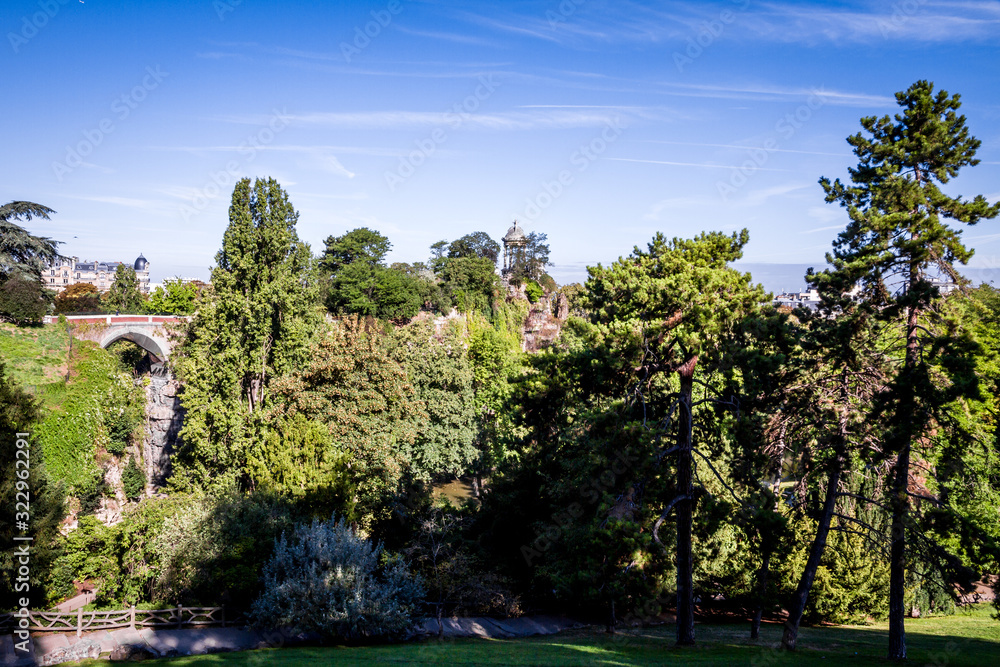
683	445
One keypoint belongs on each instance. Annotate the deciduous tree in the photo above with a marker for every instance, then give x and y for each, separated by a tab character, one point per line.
476	244
22	299
78	297
174	297
353	386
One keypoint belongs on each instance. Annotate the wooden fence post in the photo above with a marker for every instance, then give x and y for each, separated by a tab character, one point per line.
131	618
180	620
223	615
79	622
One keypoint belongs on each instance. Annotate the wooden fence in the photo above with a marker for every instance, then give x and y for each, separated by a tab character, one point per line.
82	621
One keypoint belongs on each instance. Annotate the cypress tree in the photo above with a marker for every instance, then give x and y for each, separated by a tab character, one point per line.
253	325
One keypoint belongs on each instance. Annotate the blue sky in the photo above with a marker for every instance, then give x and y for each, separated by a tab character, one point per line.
597	123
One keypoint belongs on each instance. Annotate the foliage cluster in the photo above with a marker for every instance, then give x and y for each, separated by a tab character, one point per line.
174	297
23	301
325	578
461	275
184	549
25	486
100	408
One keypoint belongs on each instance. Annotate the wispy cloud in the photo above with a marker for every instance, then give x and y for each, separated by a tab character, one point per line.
458	38
130	202
703	165
221	55
772	92
812	23
513	120
760	196
821	229
351	150
742	148
673	203
331	164
924	22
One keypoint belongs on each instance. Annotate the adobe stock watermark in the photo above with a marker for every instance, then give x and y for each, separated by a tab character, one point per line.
707	34
31	25
565	9
228	176
22	554
122	107
785	128
372	29
902	12
426	147
223	7
581	159
590	493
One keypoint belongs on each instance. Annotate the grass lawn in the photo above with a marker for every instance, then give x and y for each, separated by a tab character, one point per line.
34	355
968	638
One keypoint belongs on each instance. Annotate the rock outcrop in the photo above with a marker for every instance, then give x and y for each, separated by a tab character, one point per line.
164	418
544	321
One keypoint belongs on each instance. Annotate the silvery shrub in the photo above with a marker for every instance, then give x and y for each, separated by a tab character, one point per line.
328	580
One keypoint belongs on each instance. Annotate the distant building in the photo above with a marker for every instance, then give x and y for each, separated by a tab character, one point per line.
101	275
944	285
808	299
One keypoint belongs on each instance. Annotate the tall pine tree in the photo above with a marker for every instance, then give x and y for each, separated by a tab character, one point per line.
675	301
896	244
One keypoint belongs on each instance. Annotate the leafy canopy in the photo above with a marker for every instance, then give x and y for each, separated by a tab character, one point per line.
174	297
683	287
476	244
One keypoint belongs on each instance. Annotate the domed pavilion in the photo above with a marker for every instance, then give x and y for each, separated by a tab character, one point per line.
514	244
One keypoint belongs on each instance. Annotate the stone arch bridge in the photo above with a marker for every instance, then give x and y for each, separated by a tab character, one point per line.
150	332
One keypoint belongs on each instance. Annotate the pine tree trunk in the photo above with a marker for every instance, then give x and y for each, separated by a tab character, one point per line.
900	484
762	576
798	604
897	559
685	560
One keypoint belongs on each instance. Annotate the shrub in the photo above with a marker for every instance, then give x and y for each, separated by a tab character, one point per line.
90	492
533	291
326	579
133	479
22	300
214	551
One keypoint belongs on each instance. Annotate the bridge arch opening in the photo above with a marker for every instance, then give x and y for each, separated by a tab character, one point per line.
156	353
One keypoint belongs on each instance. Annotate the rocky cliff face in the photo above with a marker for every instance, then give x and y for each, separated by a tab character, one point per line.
164	418
544	321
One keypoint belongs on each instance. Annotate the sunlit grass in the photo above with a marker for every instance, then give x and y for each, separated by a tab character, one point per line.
35	356
969	639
